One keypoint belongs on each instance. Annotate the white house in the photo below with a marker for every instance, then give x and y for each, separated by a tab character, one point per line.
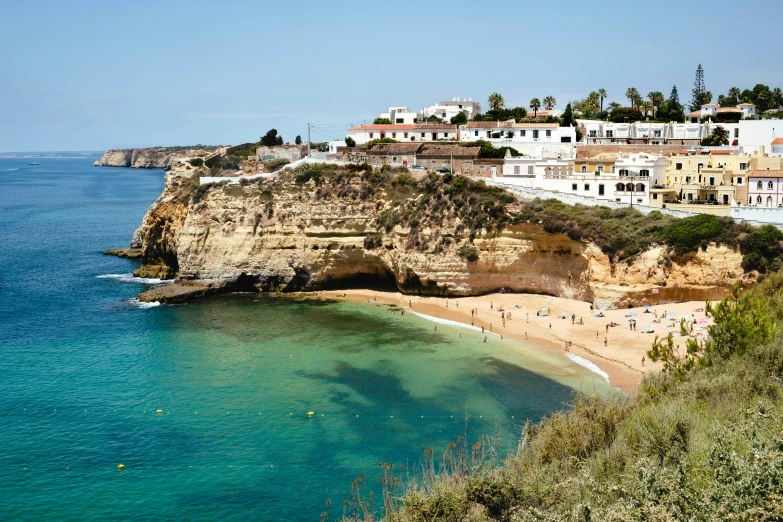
777	146
446	110
531	139
361	134
401	115
765	188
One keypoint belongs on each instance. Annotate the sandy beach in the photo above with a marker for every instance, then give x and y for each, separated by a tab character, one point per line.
617	350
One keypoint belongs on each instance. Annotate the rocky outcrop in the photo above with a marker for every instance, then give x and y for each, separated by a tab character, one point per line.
280	235
151	158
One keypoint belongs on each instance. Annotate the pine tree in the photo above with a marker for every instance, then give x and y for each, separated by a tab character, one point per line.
699	90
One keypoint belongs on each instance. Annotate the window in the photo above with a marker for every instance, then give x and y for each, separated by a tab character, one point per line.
587	187
687	179
502	133
371	135
758	199
610	134
583	169
758	186
516	169
644	172
623	172
769	186
489	134
406	135
698	169
690	197
593	134
739	180
475	133
434	135
548	133
712	181
613	167
573	187
600	190
743	166
394	134
423	134
655	196
522	133
530	169
565	139
600	168
678	166
657	133
535	134
383	135
399	120
736	133
394	159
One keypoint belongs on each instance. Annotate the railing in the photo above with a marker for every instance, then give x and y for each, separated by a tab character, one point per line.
699	202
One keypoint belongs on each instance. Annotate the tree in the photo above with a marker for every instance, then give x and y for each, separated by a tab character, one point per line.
633	95
382	121
568	117
625	115
459	119
298	140
496	101
777	94
734	95
700	95
656	97
614	105
645	106
719	136
550	102
350	142
602	95
433	119
535	104
270	139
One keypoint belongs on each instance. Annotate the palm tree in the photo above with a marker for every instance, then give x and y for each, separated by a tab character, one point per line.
644	105
656	97
535	104
632	94
777	93
602	95
734	94
496	101
550	102
614	105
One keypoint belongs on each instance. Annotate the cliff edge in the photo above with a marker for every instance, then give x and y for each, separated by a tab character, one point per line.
152	158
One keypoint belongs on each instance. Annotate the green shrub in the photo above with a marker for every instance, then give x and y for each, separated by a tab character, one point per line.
196	162
469	253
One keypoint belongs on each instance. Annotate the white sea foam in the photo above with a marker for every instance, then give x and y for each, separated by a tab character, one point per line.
8	170
581	361
450	323
140	304
129	278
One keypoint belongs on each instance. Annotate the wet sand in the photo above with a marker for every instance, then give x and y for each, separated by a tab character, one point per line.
620	358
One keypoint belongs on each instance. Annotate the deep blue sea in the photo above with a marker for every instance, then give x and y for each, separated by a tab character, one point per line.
84	368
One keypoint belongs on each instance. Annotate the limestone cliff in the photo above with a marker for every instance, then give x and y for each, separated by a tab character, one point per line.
151	158
286	235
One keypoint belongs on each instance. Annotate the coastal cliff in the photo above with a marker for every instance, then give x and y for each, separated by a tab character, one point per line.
151	158
304	232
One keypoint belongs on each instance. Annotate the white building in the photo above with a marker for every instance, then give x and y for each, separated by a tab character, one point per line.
530	139
446	110
628	182
361	134
401	115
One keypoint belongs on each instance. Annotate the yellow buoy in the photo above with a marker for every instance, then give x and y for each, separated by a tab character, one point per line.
158	411
310	413
121	466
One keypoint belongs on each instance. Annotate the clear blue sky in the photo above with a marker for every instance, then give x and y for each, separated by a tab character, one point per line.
90	75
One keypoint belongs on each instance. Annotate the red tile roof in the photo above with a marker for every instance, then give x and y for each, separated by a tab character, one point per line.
384	127
777	141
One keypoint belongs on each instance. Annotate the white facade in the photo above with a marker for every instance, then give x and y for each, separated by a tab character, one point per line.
334	144
401	115
765	191
361	134
531	139
446	110
557	175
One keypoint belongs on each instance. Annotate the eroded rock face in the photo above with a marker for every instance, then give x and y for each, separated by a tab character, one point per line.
275	235
148	158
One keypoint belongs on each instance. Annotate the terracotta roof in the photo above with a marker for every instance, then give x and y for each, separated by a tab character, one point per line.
729	109
422	126
710	105
393	148
683	151
508	125
720	151
694	113
449	150
777	141
384	127
765	174
746	105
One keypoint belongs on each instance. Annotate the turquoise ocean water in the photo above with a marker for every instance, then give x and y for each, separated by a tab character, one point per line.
83	369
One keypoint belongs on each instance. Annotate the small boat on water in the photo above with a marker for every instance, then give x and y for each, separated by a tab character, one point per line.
33	163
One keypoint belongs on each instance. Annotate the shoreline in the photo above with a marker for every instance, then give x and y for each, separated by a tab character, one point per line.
619	361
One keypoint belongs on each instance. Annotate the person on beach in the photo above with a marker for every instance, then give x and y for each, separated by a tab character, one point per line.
550	326
565	348
410	304
509	316
457	304
607	328
525	336
573	317
471	322
402	312
642	360
482	329
375	298
596	334
527	317
491	307
490	327
605	341
485	338
447	304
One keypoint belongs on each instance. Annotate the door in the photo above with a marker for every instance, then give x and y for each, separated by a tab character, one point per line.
725	199
600	190
769	201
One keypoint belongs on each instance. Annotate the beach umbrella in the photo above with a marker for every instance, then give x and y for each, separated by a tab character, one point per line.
649	326
563	314
672	313
703	321
632	314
